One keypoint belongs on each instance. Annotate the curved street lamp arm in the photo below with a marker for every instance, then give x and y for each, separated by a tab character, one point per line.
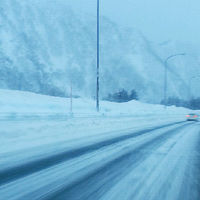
179	54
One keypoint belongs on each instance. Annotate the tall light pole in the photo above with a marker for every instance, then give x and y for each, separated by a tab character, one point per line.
71	100
165	75
190	83
97	86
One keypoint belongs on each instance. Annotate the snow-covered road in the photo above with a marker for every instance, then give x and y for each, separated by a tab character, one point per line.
153	163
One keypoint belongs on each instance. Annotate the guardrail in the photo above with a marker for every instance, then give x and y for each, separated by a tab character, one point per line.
65	116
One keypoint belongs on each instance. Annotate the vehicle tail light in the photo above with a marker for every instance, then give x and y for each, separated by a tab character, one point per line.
187	115
195	116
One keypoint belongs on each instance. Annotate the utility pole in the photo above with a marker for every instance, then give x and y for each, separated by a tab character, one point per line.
97	86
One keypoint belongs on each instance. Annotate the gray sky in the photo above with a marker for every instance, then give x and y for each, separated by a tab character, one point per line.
159	20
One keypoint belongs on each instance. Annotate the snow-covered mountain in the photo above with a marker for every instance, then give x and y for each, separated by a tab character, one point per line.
45	46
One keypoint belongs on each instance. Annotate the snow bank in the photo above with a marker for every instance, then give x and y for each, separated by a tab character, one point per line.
15	103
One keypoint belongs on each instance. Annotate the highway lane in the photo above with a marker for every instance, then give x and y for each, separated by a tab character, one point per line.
102	180
96	173
25	168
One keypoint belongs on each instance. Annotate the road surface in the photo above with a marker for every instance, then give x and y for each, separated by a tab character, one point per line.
159	163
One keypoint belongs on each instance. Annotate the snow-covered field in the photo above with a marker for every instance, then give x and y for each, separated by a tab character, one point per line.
16	103
124	152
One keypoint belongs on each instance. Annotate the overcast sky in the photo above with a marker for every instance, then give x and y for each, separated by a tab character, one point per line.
159	20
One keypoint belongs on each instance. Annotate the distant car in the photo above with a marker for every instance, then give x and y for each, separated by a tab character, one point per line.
192	117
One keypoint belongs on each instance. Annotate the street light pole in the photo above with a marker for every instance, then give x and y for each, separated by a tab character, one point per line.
190	83
97	86
71	101
165	75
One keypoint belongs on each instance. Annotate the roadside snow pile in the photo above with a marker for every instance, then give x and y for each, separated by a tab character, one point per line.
15	103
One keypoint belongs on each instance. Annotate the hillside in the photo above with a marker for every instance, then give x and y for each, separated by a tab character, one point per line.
45	47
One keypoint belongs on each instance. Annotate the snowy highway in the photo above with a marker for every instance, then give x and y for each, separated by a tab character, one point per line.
158	162
99	100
